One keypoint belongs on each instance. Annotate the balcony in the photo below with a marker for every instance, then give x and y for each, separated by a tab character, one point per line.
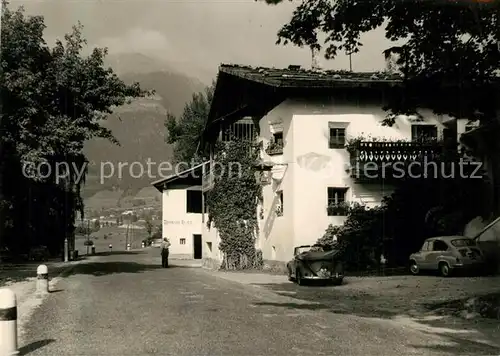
274	148
369	158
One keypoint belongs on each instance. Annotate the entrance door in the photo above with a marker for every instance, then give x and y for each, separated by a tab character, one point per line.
197	247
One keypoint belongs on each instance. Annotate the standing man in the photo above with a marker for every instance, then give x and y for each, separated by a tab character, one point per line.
164	252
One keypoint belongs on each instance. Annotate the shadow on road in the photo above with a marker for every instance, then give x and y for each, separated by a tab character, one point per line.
111	267
337	301
460	346
117	253
25	350
486	305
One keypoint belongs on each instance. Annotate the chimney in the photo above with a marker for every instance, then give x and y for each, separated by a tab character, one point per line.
315	60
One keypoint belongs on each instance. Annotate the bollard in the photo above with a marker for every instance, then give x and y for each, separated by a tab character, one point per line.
8	323
42	280
66	250
128	247
110	247
142	245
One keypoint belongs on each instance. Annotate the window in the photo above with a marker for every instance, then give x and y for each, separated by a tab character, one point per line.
426	246
243	129
182	241
193	201
278	138
209	246
336	196
337	138
423	132
336	200
279	207
440	246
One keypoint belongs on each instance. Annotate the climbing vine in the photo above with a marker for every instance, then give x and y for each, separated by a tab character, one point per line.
233	201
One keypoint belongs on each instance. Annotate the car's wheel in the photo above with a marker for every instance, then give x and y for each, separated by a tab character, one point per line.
414	269
290	278
298	278
444	269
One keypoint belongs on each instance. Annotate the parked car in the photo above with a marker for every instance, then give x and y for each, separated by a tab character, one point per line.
315	263
157	242
5	255
39	253
447	254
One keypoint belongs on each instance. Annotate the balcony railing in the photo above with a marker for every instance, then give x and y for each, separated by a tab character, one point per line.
274	148
371	157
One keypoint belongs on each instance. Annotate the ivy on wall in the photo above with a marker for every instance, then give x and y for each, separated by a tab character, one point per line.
232	203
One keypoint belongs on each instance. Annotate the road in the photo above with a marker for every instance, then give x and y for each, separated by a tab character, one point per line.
125	304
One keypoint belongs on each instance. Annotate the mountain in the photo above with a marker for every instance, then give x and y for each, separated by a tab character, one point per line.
139	126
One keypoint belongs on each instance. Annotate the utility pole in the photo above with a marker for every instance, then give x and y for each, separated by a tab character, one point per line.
2	210
126	236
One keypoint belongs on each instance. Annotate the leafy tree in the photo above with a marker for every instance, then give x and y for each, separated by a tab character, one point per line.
53	100
184	132
448	54
149	226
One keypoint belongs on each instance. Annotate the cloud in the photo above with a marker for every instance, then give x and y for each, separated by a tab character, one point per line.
137	40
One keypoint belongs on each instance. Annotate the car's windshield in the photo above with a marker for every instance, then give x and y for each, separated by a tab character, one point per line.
302	249
463	242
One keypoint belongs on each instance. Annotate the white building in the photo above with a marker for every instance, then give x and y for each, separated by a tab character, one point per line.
181	210
305	119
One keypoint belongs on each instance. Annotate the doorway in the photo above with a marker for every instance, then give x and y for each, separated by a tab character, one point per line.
197	247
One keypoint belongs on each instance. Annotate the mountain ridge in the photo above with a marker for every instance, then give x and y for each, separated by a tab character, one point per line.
138	126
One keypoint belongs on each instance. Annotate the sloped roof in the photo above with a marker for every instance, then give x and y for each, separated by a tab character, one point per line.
297	77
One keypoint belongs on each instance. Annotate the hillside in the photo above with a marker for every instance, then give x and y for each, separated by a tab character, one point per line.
139	126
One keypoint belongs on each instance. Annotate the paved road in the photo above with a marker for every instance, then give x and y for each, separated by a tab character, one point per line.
124	304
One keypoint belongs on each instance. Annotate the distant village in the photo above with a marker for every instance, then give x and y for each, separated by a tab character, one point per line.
118	217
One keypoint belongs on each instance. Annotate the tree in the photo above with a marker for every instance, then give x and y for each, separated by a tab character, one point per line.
184	132
53	100
449	58
149	226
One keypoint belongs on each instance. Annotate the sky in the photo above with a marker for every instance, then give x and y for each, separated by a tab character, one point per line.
197	36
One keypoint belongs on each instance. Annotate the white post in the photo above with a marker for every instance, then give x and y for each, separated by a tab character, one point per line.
8	323
42	280
110	247
128	247
66	251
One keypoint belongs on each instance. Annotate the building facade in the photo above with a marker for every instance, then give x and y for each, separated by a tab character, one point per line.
316	128
182	213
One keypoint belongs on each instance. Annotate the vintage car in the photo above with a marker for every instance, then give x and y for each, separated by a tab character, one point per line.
39	253
447	254
315	263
